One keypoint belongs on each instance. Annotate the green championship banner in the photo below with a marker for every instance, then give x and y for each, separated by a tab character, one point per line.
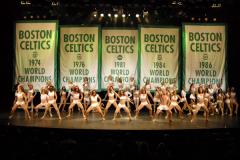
79	55
119	55
204	50
35	52
159	54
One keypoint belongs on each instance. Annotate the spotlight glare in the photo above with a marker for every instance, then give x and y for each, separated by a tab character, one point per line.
123	15
115	15
137	15
109	14
102	15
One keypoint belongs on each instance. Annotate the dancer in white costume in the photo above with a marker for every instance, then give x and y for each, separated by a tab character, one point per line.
174	103
44	100
30	95
122	105
228	102
111	99
63	95
21	101
200	104
144	103
164	106
96	102
52	98
233	101
156	98
77	97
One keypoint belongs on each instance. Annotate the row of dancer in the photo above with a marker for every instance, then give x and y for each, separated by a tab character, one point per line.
165	98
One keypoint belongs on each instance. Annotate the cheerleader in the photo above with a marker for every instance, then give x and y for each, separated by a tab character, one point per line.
30	95
164	106
174	103
86	84
63	95
200	104
184	101
220	102
148	88
111	99
144	103
120	84
52	98
21	101
129	95
136	97
132	84
156	98
228	102
110	81
96	102
86	99
207	98
122	105
233	100
77	97
44	100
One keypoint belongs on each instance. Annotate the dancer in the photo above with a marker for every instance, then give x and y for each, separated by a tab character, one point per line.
122	105
184	101
174	103
30	96
144	103
120	84
44	100
164	106
220	103
96	102
52	98
111	99
200	104
21	101
63	95
233	101
136	97
228	102
132	84
148	88
77	97
156	99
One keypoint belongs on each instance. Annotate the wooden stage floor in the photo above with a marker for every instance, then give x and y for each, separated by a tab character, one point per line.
94	122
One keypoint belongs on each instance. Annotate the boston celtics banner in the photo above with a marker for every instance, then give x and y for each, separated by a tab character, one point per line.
159	53
204	51
35	51
79	55
119	55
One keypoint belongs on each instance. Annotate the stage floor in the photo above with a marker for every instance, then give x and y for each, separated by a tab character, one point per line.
94	122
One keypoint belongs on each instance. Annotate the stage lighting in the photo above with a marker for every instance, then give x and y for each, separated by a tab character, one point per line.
115	15
192	18
123	15
102	15
109	15
206	19
129	14
214	19
95	14
137	15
